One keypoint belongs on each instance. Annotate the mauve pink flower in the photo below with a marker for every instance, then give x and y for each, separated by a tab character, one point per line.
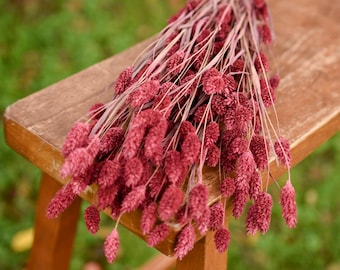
245	167
133	199
198	200
166	87
219	104
237	147
261	63
124	80
228	165
231	84
92	219
288	204
240	198
265	34
213	156
156	183
282	151
173	166
149	218
222	239
76	137
170	203
106	195
174	63
137	128
111	246
202	222
133	172
210	73
255	185
162	103
111	140
144	93
214	85
186	128
76	163
212	133
259	214
238	65
77	185
158	234
199	113
274	81
153	148
190	148
267	93
109	173
242	117
227	187
229	119
185	241
61	200
216	216
259	147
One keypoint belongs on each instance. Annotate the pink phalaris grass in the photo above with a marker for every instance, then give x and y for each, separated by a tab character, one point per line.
133	199
61	200
149	218
158	234
288	204
259	214
213	156
123	81
76	138
106	195
185	241
92	219
111	246
255	185
196	97
198	200
222	239
203	221
109	173
227	187
216	216
133	172
282	150
170	202
173	166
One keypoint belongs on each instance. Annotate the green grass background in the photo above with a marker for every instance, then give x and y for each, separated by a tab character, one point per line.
42	42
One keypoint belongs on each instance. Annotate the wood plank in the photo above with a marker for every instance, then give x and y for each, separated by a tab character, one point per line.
53	239
307	56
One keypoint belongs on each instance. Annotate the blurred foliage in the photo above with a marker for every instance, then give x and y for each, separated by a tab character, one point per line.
42	42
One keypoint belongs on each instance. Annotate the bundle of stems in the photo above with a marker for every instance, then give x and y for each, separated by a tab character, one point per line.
197	97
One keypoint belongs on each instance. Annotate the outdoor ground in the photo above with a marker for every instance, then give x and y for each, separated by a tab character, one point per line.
42	42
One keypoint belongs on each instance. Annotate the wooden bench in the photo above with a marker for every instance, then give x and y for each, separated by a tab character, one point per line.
307	56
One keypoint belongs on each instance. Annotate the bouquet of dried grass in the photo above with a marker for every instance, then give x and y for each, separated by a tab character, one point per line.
197	97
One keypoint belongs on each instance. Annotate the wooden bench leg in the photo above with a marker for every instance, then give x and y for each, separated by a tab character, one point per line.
204	256
53	239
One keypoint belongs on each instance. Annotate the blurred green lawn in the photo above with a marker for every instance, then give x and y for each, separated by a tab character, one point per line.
42	42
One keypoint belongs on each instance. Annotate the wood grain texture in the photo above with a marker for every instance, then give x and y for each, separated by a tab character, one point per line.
306	55
53	239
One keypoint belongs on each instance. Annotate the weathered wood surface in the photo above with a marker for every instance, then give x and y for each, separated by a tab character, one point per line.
306	55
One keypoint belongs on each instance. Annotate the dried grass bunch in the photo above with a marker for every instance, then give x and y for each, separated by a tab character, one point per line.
197	97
